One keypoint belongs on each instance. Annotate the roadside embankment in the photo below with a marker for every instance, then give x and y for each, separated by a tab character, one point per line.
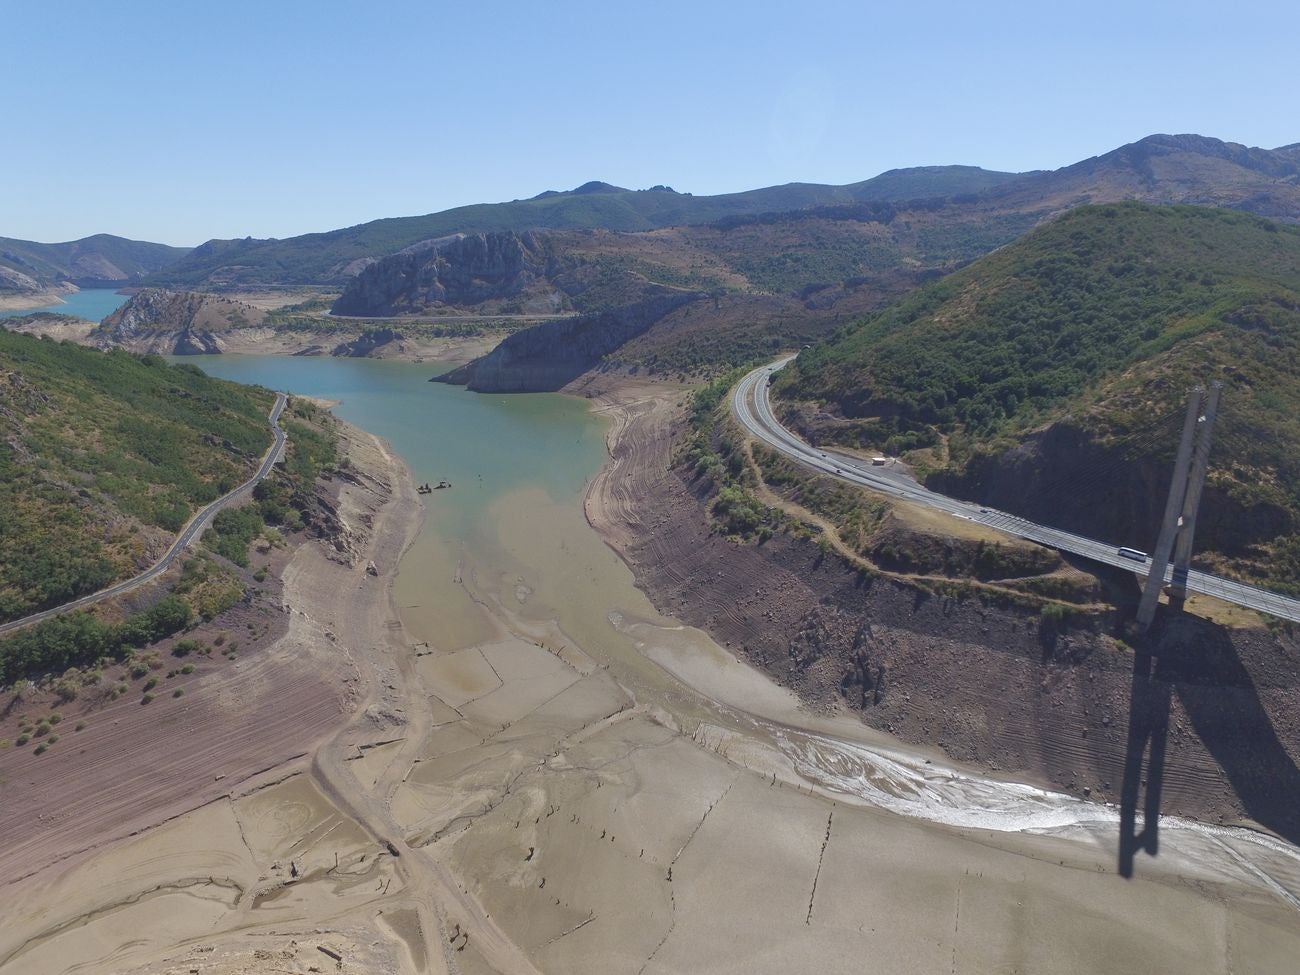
995	685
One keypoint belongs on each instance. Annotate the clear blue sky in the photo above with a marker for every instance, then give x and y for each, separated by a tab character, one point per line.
180	121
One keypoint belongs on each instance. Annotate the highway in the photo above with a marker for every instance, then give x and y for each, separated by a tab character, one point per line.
752	410
192	530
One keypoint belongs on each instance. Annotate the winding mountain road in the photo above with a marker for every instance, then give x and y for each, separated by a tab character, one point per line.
749	403
190	532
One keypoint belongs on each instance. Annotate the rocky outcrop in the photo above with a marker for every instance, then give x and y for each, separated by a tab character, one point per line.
191	342
546	357
175	322
17	282
458	271
154	309
367	343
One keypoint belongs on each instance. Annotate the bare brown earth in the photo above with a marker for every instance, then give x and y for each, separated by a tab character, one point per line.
267	689
57	327
994	686
264	340
241	726
534	770
36	299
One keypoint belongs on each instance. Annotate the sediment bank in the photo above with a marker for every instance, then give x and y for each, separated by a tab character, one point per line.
994	686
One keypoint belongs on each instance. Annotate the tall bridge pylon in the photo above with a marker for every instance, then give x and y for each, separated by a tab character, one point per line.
1179	523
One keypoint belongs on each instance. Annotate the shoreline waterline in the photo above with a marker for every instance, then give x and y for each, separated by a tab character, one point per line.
91	304
536	725
478	568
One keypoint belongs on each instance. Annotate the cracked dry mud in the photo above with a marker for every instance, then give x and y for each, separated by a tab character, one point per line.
553	777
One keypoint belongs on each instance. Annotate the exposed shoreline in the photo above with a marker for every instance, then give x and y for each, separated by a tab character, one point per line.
20	302
795	616
265	340
583	789
248	727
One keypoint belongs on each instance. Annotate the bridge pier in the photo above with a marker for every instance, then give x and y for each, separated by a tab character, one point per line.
1192	503
1179	523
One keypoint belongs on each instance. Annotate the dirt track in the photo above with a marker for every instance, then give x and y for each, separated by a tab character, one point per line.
239	725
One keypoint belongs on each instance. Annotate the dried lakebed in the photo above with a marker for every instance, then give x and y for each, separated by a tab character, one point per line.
571	781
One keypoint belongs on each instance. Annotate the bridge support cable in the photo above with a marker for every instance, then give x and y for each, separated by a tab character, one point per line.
1181	503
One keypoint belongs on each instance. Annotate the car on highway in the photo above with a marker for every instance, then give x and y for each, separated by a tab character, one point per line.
1132	553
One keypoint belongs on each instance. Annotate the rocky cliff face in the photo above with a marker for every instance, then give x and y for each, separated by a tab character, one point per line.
154	309
175	322
459	271
17	282
548	356
367	342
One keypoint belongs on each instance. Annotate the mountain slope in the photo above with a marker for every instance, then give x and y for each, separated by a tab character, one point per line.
337	255
1169	169
985	208
101	260
534	272
102	456
1019	378
182	322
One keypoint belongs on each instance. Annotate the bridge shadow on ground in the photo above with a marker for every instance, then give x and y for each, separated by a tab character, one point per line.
1200	662
1148	731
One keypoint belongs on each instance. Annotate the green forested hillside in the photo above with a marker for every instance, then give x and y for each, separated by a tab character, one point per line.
101	259
97	449
1098	322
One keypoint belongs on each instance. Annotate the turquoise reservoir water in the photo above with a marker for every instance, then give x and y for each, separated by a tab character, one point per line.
92	304
487	445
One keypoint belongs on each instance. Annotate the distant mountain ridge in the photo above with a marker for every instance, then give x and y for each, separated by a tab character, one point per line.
1170	169
101	260
783	277
335	256
1157	169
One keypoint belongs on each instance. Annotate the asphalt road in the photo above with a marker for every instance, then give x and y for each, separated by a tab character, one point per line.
191	531
750	405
